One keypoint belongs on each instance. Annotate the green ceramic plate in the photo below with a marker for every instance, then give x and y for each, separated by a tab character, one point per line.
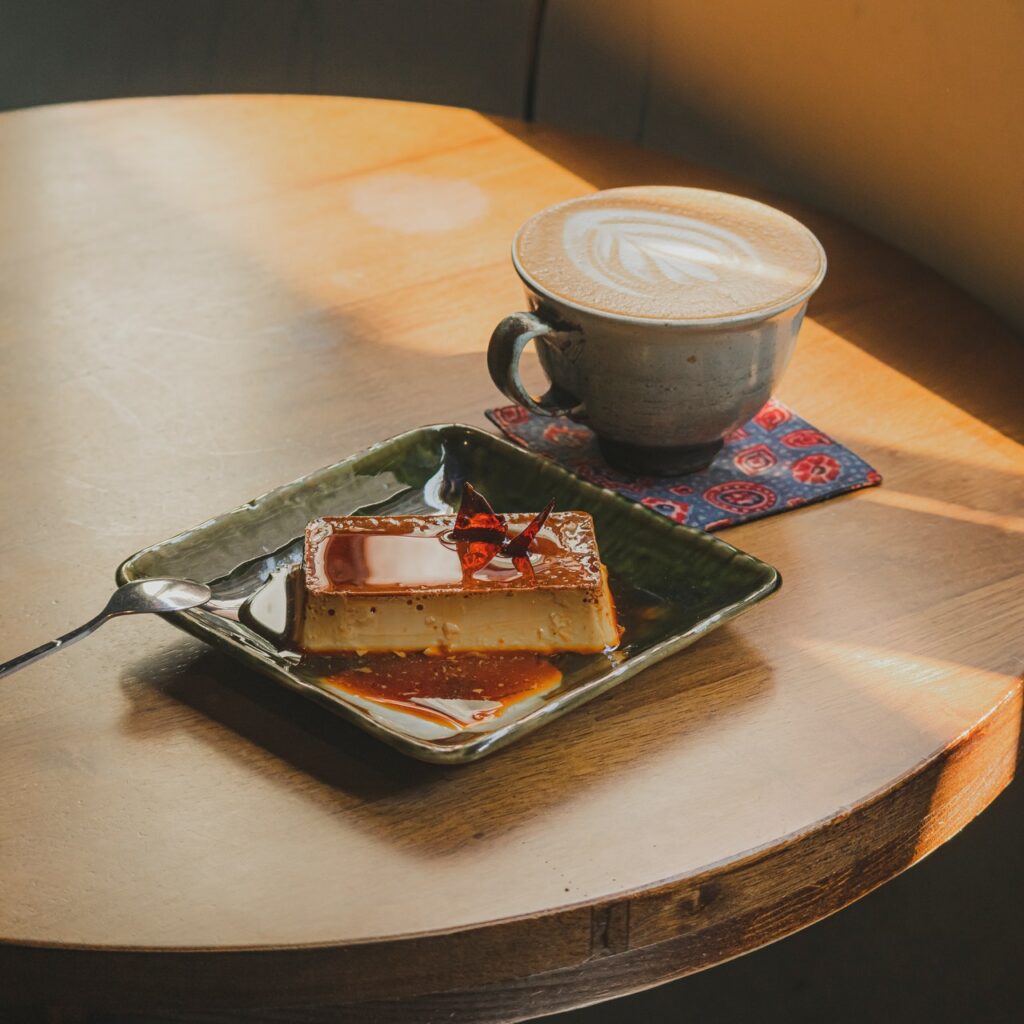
672	584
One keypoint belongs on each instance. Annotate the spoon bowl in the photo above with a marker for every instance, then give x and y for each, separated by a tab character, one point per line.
157	595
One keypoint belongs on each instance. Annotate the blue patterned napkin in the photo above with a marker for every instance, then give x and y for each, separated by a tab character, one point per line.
775	462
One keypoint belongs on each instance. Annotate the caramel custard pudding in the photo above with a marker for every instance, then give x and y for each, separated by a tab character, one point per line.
415	583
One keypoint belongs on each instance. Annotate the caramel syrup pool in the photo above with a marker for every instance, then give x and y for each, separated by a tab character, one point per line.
457	690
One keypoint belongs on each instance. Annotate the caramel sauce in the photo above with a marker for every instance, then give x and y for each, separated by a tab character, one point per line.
393	560
418	552
456	690
389	555
407	561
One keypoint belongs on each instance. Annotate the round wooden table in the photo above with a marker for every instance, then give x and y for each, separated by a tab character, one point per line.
203	298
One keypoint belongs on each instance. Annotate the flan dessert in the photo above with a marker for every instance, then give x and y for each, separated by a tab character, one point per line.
444	583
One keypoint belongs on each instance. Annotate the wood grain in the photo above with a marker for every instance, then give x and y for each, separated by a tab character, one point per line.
205	297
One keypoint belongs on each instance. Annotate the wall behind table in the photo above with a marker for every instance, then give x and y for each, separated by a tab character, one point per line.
902	117
462	52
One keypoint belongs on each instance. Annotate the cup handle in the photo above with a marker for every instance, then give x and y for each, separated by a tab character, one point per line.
509	339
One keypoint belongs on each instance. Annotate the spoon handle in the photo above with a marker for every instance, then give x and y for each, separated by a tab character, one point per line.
53	645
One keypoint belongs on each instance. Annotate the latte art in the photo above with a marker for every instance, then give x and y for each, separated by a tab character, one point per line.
668	253
633	251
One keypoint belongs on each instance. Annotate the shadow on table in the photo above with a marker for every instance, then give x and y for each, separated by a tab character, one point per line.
438	809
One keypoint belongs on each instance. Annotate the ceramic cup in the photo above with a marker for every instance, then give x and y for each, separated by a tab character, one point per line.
660	391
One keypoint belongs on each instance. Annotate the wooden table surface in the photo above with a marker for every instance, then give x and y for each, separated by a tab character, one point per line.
203	298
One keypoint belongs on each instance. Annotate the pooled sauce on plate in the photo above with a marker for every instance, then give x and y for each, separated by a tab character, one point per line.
456	690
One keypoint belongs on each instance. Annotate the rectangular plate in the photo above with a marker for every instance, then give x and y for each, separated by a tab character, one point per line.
672	583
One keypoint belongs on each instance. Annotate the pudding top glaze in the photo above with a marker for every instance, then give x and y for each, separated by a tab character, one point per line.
395	555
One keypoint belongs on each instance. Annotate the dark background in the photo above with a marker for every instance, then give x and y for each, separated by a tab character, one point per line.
938	944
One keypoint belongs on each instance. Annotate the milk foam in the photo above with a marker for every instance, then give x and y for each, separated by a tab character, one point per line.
668	253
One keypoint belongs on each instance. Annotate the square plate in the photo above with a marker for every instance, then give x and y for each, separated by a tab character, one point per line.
672	584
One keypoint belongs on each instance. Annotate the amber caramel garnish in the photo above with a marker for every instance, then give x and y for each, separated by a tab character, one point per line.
481	534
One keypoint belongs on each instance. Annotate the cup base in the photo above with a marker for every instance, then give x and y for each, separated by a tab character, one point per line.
657	460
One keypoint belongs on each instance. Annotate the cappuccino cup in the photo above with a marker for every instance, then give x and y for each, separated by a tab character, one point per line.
663	317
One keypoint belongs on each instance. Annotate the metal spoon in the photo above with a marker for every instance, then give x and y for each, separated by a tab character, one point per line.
156	595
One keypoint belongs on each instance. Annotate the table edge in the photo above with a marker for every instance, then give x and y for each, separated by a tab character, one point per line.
557	959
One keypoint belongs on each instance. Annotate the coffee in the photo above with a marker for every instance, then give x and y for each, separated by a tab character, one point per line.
665	253
663	317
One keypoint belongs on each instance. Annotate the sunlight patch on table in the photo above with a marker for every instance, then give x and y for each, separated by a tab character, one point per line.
947	509
940	698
